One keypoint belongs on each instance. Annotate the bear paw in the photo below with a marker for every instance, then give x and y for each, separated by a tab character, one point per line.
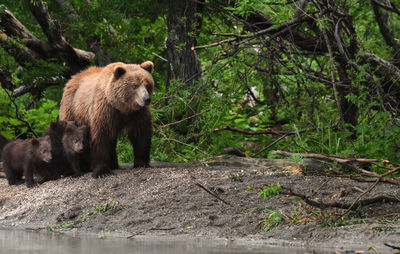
101	171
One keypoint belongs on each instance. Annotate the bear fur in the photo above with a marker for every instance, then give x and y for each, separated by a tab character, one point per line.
24	157
75	145
59	162
69	143
108	100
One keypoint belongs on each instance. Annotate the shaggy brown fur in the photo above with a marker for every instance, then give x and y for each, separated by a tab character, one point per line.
24	157
74	143
69	143
59	164
109	100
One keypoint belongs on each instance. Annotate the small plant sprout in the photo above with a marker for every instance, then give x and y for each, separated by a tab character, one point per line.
271	191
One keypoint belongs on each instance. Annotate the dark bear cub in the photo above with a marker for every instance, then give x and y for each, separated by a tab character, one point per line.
24	157
75	148
69	146
59	163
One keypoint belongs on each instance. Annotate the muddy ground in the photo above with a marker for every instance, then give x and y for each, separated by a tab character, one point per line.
168	200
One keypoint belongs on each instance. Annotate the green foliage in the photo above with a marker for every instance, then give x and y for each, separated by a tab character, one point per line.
185	117
274	219
270	191
331	221
37	117
124	149
113	205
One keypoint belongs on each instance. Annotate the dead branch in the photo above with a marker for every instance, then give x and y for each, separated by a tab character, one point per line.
332	75
364	179
389	69
343	205
391	8
32	48
392	246
52	30
261	132
212	194
359	198
270	30
273	143
345	161
381	18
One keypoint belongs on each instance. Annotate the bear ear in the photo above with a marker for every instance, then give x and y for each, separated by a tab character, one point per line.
69	129
148	66
53	125
58	124
119	71
35	142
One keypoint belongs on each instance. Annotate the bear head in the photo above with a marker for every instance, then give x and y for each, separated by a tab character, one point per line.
74	139
42	148
130	86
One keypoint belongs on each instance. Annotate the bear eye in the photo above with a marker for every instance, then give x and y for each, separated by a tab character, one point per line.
135	86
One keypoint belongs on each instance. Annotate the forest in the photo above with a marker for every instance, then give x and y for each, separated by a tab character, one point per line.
297	78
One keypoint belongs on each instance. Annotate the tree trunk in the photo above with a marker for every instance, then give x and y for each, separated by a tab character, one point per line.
183	26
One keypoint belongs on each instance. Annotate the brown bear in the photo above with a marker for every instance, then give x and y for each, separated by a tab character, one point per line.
24	157
109	100
75	145
59	162
68	143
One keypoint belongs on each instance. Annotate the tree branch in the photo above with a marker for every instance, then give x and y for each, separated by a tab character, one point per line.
261	132
52	30
33	48
390	70
382	19
343	205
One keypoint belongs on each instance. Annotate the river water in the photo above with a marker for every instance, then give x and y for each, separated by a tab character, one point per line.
19	241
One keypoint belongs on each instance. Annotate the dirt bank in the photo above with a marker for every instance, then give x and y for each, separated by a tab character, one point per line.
168	199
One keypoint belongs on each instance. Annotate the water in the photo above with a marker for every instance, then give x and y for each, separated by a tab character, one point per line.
18	242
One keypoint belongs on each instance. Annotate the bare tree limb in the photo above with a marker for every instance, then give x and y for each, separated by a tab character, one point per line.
381	18
389	69
343	205
33	48
332	76
261	132
345	161
212	194
391	8
21	54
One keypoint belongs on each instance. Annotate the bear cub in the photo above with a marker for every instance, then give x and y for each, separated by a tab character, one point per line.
70	146
24	157
75	148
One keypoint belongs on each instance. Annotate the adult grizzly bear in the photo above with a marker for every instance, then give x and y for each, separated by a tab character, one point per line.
108	100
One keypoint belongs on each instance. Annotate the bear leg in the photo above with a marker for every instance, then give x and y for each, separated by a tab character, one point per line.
13	178
141	143
114	157
101	162
75	165
28	173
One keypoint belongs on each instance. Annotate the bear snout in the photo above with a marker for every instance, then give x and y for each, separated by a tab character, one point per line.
47	159
79	148
147	101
